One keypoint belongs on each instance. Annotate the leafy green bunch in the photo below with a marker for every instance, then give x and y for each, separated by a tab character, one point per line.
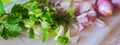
35	12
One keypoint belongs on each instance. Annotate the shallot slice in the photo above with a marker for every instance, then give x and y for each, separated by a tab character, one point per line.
116	2
82	18
99	23
92	13
81	27
65	5
85	6
82	21
106	8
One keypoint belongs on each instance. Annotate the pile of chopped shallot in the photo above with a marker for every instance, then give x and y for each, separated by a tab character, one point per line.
87	12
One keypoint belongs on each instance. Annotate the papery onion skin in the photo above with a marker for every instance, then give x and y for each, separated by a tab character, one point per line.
106	8
116	3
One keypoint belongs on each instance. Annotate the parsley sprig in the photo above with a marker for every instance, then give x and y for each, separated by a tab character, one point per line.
35	12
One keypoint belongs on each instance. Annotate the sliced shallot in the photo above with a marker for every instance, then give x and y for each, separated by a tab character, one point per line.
99	23
106	8
116	2
85	6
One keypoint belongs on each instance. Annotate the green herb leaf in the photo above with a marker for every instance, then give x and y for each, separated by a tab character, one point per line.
70	10
1	28
5	34
63	40
12	19
28	23
19	10
67	33
8	1
31	5
45	27
36	12
14	30
31	33
2	10
10	30
44	34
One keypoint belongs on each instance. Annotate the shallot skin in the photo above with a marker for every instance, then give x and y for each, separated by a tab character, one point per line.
106	8
116	3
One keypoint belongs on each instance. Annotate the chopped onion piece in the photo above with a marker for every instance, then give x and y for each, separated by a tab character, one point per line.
116	2
99	23
106	8
65	5
85	6
82	18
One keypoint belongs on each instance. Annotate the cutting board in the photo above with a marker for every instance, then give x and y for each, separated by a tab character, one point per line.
91	36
